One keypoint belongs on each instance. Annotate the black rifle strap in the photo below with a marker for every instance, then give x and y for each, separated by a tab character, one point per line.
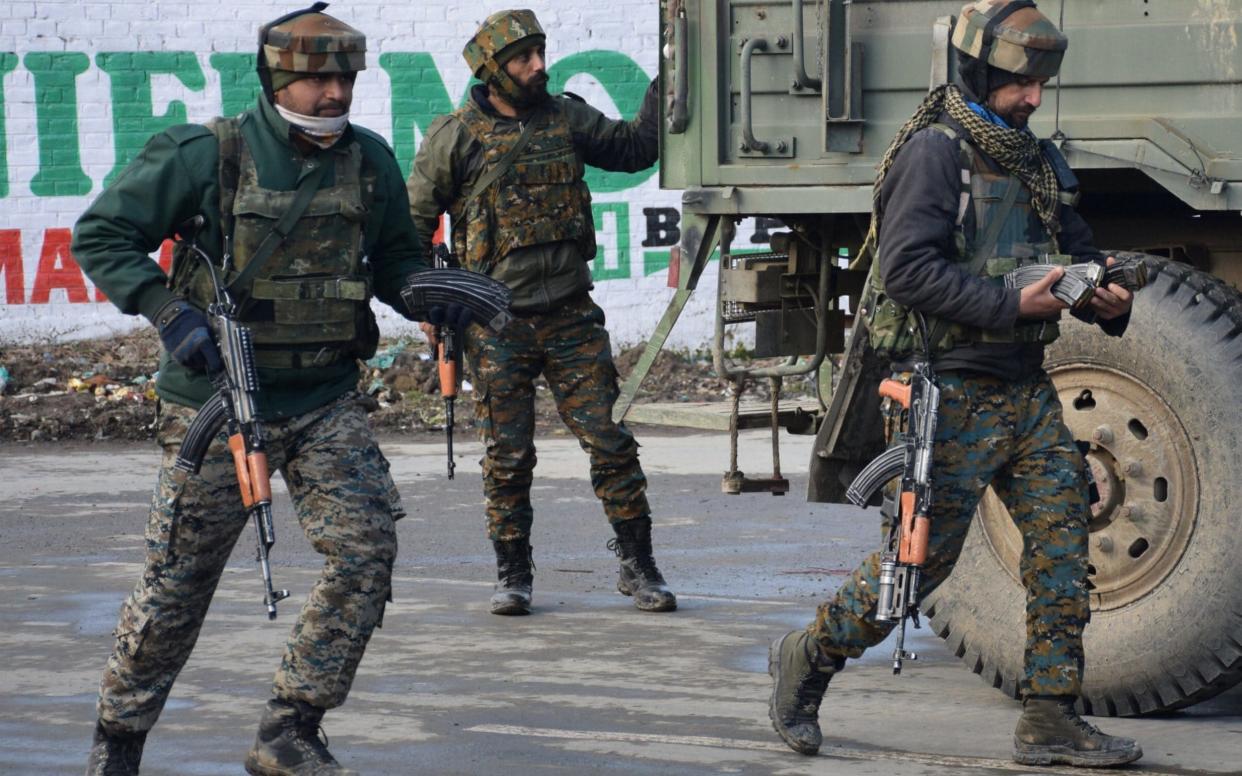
302	197
503	164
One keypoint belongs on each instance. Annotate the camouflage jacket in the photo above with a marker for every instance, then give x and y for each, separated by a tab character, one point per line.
450	160
176	177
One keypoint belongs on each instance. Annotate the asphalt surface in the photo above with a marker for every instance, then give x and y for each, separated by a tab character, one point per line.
585	685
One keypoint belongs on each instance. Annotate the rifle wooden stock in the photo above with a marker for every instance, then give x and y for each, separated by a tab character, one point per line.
448	370
446	355
898	392
915	534
253	477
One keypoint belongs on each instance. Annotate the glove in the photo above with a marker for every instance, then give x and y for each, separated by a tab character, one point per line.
183	330
455	315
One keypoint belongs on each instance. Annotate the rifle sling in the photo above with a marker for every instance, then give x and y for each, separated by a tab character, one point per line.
302	197
503	164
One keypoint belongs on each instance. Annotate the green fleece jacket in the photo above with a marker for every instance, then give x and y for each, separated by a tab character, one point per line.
173	179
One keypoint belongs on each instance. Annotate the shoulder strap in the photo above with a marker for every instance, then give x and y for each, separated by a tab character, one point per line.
228	171
983	251
502	165
302	197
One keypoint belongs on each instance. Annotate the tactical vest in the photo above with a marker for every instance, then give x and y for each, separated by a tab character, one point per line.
540	198
308	305
999	243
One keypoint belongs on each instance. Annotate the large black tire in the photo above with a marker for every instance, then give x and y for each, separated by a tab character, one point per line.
1163	411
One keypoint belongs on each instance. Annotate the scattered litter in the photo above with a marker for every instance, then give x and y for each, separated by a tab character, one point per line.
385	358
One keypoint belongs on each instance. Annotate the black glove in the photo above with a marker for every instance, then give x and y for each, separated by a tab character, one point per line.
455	315
183	330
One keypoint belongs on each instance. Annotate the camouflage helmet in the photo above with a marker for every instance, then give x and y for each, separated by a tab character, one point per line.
1009	35
499	38
307	42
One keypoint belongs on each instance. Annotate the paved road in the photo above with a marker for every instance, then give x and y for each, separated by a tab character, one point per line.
587	685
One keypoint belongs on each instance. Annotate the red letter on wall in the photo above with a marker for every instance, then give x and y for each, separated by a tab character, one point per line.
57	269
11	266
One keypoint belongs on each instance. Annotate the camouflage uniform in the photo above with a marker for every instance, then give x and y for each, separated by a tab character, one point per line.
570	348
942	247
348	519
1000	422
1011	436
533	229
308	308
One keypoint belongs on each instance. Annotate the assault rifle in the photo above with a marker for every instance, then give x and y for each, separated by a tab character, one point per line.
488	301
447	358
232	406
1077	286
905	547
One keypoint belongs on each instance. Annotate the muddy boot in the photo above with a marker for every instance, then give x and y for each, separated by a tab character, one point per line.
514	577
639	576
1050	732
115	753
800	674
288	743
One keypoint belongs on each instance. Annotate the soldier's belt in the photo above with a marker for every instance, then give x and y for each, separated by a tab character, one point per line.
487	299
1077	286
349	289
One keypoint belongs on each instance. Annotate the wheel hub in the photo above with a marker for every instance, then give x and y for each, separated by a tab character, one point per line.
1143	465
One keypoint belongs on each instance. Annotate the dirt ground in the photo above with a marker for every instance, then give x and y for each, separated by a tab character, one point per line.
104	389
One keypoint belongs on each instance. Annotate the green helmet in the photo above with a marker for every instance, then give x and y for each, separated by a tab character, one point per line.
502	36
1010	35
307	42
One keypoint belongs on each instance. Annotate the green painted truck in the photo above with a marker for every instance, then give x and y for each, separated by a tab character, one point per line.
781	109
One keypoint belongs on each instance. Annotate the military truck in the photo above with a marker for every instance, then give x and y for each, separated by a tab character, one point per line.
781	109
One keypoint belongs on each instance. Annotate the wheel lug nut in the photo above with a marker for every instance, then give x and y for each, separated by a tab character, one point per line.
1102	435
1133	469
1104	543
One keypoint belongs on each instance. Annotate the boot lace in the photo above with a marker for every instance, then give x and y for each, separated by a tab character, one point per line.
312	739
643	563
1077	721
512	574
120	757
810	691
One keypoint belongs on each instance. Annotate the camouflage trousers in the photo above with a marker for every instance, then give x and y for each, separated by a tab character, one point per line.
1011	436
346	503
571	348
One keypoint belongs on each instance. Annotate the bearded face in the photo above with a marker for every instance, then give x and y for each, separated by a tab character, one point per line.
533	92
1016	101
529	74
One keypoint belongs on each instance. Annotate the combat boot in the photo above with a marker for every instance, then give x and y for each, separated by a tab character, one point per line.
800	674
115	754
288	743
1050	732
515	577
638	575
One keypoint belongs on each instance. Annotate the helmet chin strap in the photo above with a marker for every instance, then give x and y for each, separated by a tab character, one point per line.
502	82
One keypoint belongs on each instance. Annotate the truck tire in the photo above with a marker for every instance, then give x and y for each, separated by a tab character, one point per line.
1161	410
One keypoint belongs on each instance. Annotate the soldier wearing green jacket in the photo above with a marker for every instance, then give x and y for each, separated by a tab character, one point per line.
305	295
508	169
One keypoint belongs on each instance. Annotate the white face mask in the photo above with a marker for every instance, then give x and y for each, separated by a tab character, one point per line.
323	131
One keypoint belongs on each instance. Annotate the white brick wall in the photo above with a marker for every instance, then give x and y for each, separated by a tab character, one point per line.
45	183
